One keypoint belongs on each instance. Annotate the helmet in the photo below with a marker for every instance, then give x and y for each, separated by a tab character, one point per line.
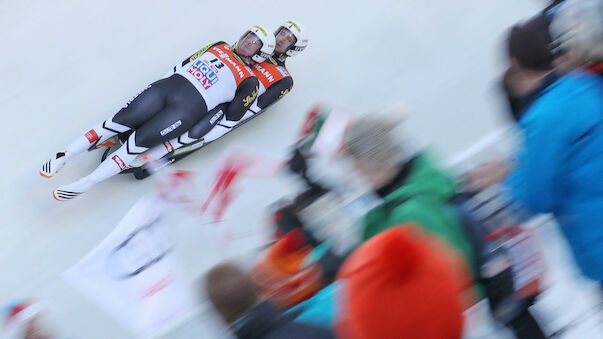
265	40
301	39
578	26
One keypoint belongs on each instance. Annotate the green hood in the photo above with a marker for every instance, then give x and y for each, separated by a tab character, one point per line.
423	199
425	180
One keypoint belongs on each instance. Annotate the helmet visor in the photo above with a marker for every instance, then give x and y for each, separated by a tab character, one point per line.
284	40
249	44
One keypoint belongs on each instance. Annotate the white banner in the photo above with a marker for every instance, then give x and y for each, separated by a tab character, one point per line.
133	274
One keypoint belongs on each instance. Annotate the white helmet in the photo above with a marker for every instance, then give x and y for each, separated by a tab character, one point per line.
301	39
578	26
266	40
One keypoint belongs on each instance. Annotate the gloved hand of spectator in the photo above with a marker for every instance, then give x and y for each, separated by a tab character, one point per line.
298	163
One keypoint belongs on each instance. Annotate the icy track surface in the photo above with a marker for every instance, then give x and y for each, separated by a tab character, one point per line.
69	64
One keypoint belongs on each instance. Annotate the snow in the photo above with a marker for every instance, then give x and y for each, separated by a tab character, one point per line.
69	64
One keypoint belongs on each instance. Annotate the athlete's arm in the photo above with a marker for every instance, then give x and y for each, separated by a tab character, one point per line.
245	95
275	92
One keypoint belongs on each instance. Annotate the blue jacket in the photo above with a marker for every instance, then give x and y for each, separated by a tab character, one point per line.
560	164
321	309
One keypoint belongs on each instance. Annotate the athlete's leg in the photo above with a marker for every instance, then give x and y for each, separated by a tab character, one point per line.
173	120
140	108
224	127
209	128
135	112
193	135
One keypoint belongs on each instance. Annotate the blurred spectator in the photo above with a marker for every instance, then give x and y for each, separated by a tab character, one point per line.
400	284
285	272
578	31
414	190
24	320
559	168
233	294
510	264
286	220
327	307
321	309
529	45
412	187
553	4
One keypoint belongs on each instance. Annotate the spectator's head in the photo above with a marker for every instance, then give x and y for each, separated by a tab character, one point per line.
577	28
371	145
35	330
399	283
24	320
230	290
530	55
529	45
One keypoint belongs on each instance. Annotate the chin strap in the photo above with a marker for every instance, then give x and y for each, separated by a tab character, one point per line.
281	57
240	58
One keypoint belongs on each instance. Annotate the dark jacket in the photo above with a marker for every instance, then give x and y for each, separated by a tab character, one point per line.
266	321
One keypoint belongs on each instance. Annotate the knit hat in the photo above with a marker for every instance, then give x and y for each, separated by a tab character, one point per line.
530	44
399	284
370	137
578	26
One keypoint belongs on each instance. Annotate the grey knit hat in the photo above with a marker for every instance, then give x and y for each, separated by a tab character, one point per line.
371	138
578	26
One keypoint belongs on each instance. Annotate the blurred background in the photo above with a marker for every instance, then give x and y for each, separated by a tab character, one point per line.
68	64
